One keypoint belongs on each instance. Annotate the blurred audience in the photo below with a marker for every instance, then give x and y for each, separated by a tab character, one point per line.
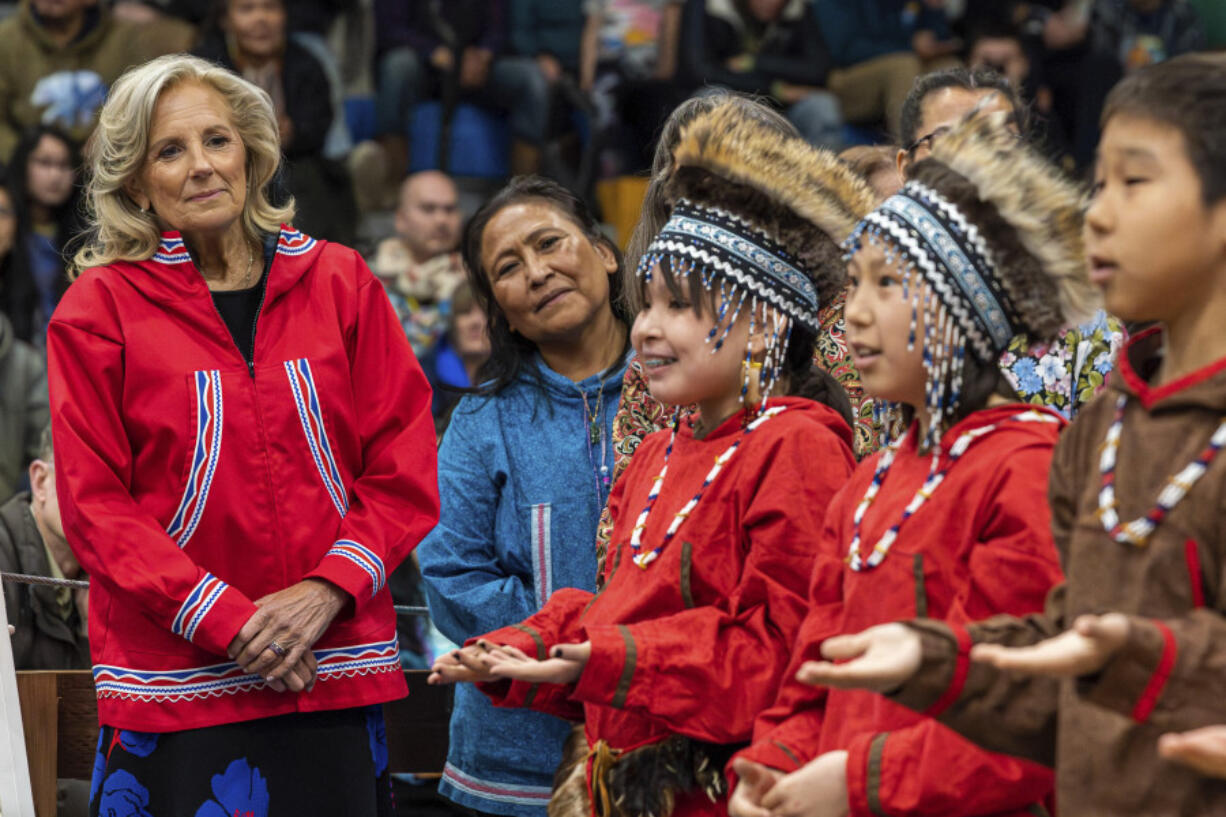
250	37
1090	44
18	295
50	621
46	186
419	266
771	48
548	31
59	58
24	410
879	47
628	64
450	51
458	356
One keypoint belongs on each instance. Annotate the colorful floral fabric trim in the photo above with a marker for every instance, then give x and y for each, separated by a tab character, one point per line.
1066	374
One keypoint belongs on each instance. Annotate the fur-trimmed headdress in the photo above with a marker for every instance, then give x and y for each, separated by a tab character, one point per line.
994	231
759	216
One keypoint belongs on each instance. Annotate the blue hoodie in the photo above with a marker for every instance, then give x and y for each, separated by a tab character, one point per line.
521	490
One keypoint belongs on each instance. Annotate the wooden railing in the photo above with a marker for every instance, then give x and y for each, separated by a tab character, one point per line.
60	715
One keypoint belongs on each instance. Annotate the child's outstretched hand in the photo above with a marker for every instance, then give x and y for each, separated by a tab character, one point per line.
754	780
1202	749
882	658
563	667
817	789
465	664
1083	650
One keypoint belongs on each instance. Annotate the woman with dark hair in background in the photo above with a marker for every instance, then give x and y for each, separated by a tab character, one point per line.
46	197
525	466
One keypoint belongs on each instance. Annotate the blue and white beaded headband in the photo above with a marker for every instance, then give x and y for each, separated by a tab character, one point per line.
938	241
714	242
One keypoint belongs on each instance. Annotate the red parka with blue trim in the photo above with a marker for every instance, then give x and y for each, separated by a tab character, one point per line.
193	482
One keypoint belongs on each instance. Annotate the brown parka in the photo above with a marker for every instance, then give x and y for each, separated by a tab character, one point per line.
1100	732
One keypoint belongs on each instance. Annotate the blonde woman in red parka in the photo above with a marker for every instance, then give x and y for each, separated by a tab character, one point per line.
244	452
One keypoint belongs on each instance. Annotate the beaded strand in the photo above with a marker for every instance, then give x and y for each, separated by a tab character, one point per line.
1138	531
934	480
636	538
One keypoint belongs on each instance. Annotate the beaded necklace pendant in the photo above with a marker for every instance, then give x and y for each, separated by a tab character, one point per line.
636	537
855	560
1138	531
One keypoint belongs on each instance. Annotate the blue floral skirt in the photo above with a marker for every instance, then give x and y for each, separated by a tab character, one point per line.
299	764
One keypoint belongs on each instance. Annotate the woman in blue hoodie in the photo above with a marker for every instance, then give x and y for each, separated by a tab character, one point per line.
525	466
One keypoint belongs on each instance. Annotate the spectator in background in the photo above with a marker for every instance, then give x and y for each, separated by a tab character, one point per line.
940	99
547	33
1069	372
419	266
250	38
771	48
628	62
879	47
1001	47
1095	42
57	59
46	191
454	49
18	299
458	356
23	406
50	621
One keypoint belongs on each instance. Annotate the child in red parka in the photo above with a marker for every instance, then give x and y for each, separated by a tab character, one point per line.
715	522
1132	646
950	521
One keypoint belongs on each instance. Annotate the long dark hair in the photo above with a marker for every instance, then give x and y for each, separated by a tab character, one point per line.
68	217
511	353
18	297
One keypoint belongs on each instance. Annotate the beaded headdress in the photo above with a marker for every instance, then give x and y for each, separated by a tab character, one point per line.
993	231
758	216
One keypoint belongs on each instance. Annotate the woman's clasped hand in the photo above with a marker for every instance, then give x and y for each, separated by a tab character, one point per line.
276	641
482	662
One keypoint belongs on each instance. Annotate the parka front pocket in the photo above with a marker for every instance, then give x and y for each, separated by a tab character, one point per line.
207	419
310	416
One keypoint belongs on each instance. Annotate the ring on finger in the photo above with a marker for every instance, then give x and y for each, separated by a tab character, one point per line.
277	649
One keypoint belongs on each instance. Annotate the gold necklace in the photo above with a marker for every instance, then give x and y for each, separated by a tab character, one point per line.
246	274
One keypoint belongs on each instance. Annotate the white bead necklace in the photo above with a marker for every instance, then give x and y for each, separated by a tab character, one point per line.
636	538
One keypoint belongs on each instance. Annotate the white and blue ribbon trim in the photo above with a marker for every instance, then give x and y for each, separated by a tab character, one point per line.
204	457
363	557
197	605
178	686
306	399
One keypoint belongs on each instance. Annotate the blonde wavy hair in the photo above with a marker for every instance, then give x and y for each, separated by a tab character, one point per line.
119	230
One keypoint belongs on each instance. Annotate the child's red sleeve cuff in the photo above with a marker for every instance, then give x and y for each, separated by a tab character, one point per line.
864	761
610	669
